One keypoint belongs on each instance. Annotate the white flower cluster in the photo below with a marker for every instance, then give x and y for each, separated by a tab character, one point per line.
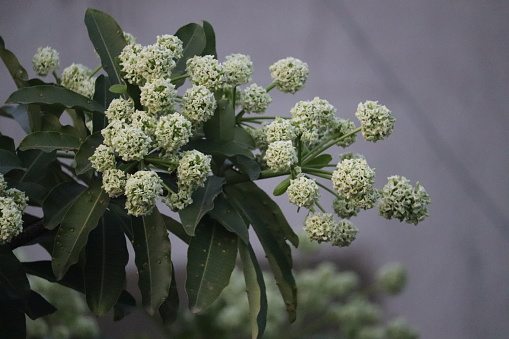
345	208
142	189
172	132
45	61
376	120
279	130
289	74
158	95
280	155
12	204
120	109
323	228
353	178
255	99
198	105
192	172
303	191
114	181
141	64
205	71
313	119
129	142
237	70
77	78
341	127
402	201
103	158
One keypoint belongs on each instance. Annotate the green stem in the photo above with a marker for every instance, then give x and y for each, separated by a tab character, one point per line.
316	170
327	189
320	207
234	94
262	118
183	76
167	188
270	87
57	79
271	174
328	143
97	69
239	116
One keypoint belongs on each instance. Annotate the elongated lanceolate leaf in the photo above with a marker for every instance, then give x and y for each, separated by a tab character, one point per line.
13	280
265	217
255	288
226	215
203	202
48	141
211	259
81	218
104	271
18	73
36	163
153	259
210	38
194	41
58	202
170	307
86	150
51	95
221	127
108	40
9	161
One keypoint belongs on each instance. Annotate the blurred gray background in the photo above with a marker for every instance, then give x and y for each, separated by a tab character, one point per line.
442	67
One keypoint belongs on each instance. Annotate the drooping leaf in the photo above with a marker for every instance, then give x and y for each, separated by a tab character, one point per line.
176	228
17	72
247	166
226	215
153	259
210	38
170	307
48	141
13	279
9	161
86	150
255	288
35	306
104	270
211	259
269	225
54	95
58	202
81	218
319	161
194	41
108	40
203	202
36	162
220	127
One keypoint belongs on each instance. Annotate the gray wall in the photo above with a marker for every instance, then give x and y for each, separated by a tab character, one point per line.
441	66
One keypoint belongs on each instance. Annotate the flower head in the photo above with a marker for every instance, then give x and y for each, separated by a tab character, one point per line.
279	130
319	226
114	181
129	38
237	69
353	178
172	132
120	109
402	201
77	78
303	192
129	59
280	155
341	127
103	158
289	74
144	121
142	189
343	233
255	99
45	61
158	95
193	169
198	105
19	197
376	120
130	142
345	208
204	70
171	43
11	223
312	119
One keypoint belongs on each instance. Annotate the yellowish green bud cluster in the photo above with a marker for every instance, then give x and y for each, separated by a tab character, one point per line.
321	227
312	119
376	120
103	158
279	130
158	95
120	109
114	181
172	132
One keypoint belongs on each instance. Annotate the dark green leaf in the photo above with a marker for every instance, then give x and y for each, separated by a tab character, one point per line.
247	166
36	306
50	122
203	202
7	143
54	95
36	162
176	228
79	121
220	148
81	218
243	137
170	307
20	114
272	231
17	72
126	304
48	141
255	288
58	202
120	89
211	259
153	259
103	96
86	150
123	220
12	320
210	37
13	279
9	161
226	215
108	40
221	127
319	161
104	271
36	192
194	41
